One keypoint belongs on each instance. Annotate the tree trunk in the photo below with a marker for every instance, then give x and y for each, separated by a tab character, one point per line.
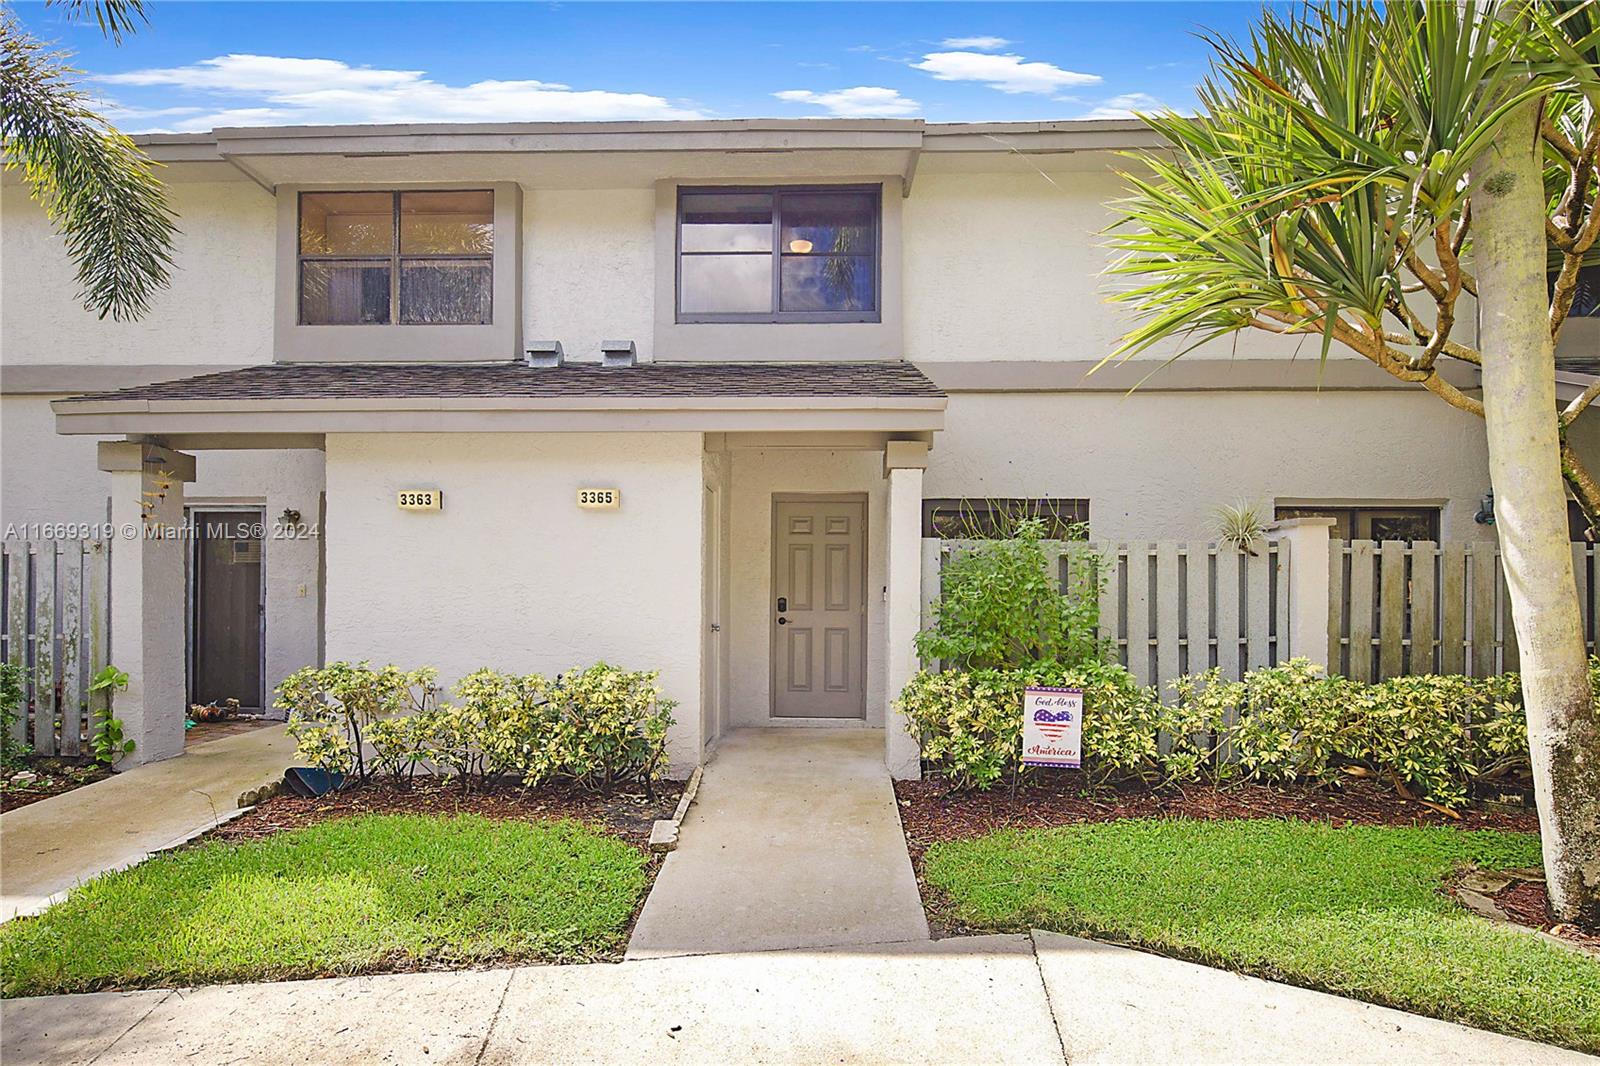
1519	399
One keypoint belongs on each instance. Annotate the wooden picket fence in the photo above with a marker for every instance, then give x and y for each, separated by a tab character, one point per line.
1169	607
1399	608
56	625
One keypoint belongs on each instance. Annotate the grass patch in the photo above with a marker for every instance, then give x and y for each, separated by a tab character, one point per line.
343	896
1353	910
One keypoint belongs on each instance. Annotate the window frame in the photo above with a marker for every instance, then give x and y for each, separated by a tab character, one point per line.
1353	513
1074	509
777	316
394	259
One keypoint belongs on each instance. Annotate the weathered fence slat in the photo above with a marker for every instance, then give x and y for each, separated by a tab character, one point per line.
15	606
1580	573
1197	589
1168	615
1338	598
1138	620
44	647
1361	596
69	578
1453	609
1229	612
97	613
1482	563
1258	607
1110	601
1391	607
1424	560
1281	629
1510	658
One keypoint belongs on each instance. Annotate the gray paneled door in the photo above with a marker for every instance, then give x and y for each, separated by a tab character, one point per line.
819	617
228	607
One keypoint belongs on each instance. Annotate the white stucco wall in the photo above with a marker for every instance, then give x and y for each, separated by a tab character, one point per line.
47	477
218	308
588	268
511	574
1155	465
756	475
1008	266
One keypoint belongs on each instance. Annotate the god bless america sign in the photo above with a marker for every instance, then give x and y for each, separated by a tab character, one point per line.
1052	727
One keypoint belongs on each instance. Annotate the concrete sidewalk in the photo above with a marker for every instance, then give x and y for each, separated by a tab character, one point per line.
793	842
49	846
1042	999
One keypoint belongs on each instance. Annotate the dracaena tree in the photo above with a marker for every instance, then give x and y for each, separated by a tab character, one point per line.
97	187
1361	175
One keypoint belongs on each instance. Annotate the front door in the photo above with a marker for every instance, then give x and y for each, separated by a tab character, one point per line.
819	617
227	608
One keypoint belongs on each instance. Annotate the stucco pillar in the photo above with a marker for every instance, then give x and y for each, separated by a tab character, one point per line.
147	594
1307	540
904	462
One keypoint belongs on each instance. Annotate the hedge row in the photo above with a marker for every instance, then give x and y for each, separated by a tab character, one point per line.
598	727
1429	736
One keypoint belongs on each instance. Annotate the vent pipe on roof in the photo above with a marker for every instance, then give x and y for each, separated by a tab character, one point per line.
618	354
545	353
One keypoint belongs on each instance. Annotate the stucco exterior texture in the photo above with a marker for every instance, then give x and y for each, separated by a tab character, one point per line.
992	261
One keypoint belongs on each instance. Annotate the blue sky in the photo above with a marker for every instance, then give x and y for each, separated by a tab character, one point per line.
199	65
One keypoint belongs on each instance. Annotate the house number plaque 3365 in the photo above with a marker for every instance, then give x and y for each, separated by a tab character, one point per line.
599	499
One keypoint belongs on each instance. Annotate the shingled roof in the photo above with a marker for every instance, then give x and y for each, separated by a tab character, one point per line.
376	381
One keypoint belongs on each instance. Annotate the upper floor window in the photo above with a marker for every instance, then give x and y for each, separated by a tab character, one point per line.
409	258
779	255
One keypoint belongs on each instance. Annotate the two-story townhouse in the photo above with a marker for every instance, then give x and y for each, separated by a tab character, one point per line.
682	396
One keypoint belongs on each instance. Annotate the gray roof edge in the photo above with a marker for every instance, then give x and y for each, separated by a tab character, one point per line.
230	140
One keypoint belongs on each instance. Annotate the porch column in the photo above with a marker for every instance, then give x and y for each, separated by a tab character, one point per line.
1309	576
903	463
147	594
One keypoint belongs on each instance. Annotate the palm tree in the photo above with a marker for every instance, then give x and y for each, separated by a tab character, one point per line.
95	184
1356	171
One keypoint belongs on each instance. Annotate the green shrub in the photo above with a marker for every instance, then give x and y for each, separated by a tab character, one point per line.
970	723
1000	607
610	726
329	707
13	751
1431	737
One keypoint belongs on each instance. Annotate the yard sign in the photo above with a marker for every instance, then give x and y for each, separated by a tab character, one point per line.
1052	727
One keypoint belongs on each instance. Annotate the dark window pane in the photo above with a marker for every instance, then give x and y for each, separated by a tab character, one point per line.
346	223
727	222
1586	300
445	292
828	283
990	519
341	293
446	223
1417	526
818	223
725	284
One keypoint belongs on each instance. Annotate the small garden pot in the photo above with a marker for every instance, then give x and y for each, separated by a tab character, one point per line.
310	781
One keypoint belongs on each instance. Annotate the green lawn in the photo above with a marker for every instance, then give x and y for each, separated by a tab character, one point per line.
1356	911
344	896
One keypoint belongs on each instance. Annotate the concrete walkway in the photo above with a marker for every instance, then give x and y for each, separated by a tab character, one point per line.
1043	999
49	846
794	842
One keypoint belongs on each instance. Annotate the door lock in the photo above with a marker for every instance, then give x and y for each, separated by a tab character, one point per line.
783	621
783	604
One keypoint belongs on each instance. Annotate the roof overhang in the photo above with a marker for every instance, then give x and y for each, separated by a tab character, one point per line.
775	414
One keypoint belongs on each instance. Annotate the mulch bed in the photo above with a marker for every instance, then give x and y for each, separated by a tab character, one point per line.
56	776
930	812
626	815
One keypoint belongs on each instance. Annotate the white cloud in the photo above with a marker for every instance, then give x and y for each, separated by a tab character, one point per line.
1124	106
1007	73
274	90
864	101
975	44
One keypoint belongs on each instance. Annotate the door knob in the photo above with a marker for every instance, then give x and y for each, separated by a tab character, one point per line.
783	621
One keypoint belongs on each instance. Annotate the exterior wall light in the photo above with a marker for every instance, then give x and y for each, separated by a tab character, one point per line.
1485	515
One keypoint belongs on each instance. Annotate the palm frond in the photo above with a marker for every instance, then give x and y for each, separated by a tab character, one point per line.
96	186
114	17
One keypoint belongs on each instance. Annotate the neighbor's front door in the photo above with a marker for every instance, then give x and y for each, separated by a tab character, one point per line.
819	616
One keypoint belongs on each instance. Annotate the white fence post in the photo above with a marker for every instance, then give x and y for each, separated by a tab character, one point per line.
1307	542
